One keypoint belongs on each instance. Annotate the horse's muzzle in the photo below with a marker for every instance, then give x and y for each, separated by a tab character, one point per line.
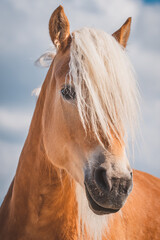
106	195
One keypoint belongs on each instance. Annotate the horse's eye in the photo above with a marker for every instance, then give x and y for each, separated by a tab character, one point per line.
68	93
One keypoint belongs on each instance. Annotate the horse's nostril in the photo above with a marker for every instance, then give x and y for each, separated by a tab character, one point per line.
114	186
125	186
101	179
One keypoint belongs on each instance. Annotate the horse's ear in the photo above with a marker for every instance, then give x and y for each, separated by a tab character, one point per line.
122	34
59	28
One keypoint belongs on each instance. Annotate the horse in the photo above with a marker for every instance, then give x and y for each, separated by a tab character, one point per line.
73	179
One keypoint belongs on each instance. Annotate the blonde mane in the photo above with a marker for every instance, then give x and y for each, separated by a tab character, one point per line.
106	90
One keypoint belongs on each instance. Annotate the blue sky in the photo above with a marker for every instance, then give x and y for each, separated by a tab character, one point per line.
24	37
151	1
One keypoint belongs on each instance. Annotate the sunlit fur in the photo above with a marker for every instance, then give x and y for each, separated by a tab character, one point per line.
41	202
107	96
107	99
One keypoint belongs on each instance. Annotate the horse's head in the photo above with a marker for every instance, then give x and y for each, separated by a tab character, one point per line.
90	98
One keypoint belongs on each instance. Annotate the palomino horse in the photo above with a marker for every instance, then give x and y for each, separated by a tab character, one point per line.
73	175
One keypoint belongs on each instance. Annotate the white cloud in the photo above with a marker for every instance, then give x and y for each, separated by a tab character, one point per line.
9	155
14	120
146	62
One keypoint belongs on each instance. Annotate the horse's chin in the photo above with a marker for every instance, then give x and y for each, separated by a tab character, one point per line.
96	208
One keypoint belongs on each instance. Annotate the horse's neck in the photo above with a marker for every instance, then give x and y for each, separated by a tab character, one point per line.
40	203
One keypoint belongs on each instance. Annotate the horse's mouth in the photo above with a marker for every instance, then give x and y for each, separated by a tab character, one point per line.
96	208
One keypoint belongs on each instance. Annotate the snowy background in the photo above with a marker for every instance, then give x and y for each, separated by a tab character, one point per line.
24	37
